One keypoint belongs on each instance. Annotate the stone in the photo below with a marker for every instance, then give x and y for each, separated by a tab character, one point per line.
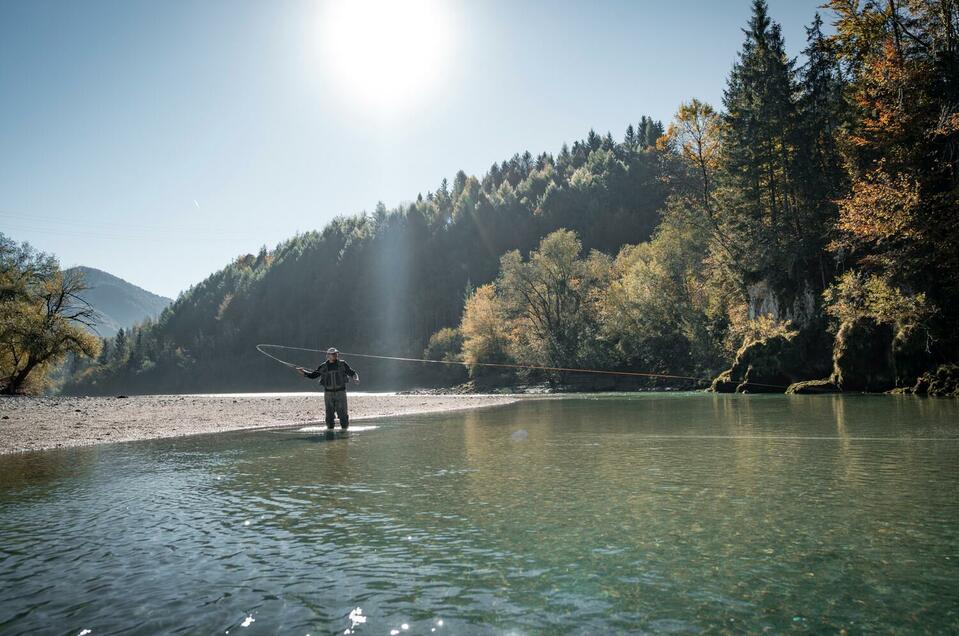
863	357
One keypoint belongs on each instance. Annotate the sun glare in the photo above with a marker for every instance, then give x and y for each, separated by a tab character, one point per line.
386	56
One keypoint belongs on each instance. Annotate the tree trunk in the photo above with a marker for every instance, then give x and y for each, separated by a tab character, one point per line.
17	380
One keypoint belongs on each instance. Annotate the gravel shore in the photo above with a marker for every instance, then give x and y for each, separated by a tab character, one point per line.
36	423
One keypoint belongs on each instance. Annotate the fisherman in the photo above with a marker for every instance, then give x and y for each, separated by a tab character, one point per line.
333	375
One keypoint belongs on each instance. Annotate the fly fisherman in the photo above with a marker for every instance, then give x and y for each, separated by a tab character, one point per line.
333	375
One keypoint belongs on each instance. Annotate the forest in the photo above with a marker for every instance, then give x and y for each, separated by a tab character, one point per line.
799	237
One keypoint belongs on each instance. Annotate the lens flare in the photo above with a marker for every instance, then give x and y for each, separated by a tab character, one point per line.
386	56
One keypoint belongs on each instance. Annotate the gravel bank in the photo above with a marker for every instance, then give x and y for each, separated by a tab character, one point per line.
29	423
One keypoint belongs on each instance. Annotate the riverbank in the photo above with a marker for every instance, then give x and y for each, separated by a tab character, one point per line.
37	423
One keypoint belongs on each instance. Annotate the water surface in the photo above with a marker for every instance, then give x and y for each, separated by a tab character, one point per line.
609	514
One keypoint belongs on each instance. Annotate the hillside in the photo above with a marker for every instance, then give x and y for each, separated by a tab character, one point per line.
119	304
384	282
801	239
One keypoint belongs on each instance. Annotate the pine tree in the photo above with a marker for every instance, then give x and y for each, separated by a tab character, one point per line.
822	110
759	150
593	140
458	182
630	139
121	348
652	132
641	131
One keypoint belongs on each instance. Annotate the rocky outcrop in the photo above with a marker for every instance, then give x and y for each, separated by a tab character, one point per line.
943	382
769	365
910	355
862	357
871	357
799	308
723	383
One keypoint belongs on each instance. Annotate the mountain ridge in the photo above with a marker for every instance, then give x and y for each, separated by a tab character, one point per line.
119	303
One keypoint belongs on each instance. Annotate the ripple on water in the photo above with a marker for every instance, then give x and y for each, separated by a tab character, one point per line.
620	516
322	429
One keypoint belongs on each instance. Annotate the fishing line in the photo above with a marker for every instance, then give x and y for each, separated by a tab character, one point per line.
498	365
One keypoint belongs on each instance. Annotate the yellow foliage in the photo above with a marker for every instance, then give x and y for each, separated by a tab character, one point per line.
747	331
694	133
881	208
857	296
42	318
485	337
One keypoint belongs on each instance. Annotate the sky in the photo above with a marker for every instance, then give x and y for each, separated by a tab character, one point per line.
160	140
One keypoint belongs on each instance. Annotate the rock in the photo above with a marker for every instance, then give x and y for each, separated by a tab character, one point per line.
910	355
872	357
723	383
772	364
122	397
863	357
809	387
943	382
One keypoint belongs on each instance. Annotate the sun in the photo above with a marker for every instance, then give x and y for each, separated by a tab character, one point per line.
386	56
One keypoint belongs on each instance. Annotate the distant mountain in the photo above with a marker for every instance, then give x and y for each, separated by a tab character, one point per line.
119	304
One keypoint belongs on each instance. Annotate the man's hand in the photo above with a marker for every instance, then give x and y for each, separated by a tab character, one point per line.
356	379
301	370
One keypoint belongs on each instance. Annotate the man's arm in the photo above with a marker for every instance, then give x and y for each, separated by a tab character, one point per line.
350	372
312	374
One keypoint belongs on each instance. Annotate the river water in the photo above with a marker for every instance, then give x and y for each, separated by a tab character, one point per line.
602	514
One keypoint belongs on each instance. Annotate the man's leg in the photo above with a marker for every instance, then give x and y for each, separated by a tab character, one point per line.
328	397
341	410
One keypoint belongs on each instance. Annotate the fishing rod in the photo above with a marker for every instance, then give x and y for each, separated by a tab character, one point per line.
498	365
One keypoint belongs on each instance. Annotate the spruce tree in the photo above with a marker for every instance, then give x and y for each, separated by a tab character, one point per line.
759	152
641	132
630	139
822	109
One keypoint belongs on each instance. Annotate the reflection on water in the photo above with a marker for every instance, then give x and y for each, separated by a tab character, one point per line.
642	513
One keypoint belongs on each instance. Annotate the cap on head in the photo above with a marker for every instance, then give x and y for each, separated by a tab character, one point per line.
331	351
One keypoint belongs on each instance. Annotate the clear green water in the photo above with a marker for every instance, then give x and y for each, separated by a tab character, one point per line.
655	513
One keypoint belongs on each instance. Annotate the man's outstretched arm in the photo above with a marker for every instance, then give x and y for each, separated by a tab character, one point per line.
310	374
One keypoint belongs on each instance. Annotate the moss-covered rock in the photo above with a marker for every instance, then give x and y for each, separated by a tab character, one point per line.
808	387
863	357
772	364
723	383
943	382
871	357
910	355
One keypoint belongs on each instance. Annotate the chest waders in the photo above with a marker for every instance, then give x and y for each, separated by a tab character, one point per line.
334	396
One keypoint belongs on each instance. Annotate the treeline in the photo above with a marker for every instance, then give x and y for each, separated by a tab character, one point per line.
807	231
384	282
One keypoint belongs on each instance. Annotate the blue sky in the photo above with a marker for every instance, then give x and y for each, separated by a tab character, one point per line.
159	140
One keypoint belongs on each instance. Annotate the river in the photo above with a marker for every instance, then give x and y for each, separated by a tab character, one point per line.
673	513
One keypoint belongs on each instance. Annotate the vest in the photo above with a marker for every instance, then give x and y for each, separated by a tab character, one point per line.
334	378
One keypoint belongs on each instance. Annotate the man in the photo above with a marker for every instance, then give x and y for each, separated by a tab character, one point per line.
333	376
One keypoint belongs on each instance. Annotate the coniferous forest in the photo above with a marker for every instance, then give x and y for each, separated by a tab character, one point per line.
804	234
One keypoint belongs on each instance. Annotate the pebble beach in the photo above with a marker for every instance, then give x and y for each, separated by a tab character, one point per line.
38	423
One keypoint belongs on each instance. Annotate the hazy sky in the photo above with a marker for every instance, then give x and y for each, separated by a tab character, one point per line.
159	140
